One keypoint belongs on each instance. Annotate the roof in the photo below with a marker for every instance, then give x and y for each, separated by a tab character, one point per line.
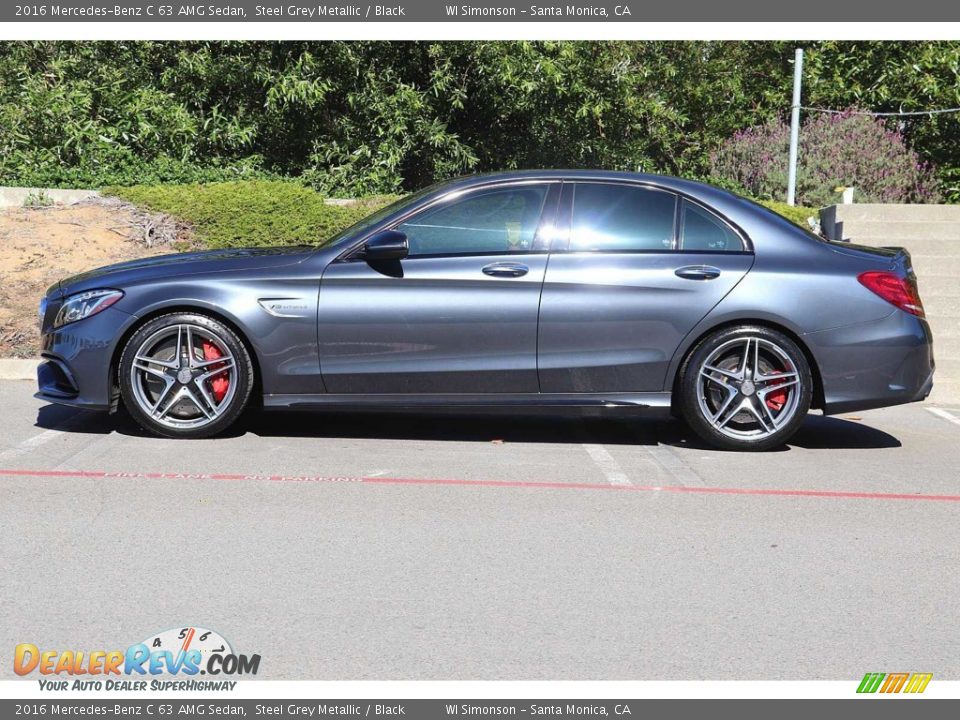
664	180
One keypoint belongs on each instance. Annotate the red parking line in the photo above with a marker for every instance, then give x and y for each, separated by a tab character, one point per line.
533	484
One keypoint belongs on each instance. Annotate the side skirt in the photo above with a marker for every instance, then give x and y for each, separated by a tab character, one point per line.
650	402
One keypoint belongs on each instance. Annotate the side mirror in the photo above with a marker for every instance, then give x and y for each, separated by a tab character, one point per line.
386	245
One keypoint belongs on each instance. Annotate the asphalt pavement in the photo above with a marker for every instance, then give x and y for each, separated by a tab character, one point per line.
362	546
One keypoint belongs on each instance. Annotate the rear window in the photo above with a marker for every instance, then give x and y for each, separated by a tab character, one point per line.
701	230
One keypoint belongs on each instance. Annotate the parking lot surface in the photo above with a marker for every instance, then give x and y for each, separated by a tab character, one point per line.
361	546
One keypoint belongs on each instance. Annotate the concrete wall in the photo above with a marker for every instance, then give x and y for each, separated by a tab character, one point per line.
932	235
15	196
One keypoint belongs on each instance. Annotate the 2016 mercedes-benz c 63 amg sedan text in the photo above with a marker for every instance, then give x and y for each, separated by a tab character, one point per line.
515	290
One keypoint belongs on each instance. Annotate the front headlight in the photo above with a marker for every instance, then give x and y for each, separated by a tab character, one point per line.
77	307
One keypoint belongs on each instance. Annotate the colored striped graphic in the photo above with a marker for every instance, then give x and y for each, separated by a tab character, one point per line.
918	682
870	682
894	682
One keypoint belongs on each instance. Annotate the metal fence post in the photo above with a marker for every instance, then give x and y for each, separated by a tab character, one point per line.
794	127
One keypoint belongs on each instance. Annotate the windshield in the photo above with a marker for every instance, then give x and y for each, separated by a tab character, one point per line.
370	220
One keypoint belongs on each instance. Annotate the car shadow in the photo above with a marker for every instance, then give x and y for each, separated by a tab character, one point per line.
817	431
831	432
74	420
455	427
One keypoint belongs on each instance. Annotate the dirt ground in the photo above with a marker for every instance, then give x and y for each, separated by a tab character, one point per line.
38	246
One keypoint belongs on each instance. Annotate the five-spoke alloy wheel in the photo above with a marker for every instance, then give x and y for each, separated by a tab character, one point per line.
746	388
185	375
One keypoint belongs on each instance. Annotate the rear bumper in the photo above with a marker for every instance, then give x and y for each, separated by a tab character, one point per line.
876	364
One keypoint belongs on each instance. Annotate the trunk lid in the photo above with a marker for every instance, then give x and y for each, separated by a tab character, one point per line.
894	257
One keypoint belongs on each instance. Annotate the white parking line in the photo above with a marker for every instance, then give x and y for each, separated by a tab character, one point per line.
670	461
90	452
946	415
30	444
607	463
36	441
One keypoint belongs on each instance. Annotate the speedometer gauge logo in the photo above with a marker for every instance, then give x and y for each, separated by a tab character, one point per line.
180	641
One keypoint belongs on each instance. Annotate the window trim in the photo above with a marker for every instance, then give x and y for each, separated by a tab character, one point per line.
548	211
565	213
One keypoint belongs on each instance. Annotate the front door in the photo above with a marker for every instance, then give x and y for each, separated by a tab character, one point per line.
458	315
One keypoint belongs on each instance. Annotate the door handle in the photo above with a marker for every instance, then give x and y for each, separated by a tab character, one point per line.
506	269
697	272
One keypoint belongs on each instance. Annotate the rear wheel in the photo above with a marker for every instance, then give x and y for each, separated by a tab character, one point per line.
746	388
185	375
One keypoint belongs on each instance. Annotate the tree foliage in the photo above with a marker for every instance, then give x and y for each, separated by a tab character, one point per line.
372	117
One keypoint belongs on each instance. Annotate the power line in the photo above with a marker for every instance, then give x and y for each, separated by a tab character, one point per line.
829	111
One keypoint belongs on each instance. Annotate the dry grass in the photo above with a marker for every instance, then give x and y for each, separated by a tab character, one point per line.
39	246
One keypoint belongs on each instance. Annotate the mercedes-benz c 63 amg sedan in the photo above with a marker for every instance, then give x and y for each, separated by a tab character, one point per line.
516	290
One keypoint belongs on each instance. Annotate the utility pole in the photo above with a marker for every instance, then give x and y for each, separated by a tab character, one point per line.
794	127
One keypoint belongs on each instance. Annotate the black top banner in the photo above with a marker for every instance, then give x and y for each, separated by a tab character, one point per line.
445	709
477	11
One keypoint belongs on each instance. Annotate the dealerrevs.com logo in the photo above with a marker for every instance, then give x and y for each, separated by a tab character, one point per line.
154	664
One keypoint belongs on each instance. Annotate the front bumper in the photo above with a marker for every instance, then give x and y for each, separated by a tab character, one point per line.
76	360
876	364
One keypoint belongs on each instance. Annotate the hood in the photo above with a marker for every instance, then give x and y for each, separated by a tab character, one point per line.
179	264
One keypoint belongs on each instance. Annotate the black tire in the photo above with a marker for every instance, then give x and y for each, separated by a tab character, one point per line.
217	417
703	395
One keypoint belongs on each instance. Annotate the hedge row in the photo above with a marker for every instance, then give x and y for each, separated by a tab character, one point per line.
251	213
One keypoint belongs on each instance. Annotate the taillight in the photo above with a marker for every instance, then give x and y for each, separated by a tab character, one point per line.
896	290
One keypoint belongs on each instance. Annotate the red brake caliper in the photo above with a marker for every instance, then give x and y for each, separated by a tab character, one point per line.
778	398
218	383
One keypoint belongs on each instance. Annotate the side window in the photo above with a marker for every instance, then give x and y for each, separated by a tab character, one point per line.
621	217
702	230
489	221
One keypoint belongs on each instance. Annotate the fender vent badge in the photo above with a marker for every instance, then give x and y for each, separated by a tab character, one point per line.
285	307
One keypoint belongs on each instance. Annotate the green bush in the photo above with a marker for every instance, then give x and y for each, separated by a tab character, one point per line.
250	213
37	199
794	213
121	167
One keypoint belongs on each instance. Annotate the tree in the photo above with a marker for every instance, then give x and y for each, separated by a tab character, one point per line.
360	117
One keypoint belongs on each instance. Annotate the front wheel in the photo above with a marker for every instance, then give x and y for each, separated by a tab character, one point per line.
746	388
185	375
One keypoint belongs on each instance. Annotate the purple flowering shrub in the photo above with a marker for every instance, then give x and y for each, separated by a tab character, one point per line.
835	150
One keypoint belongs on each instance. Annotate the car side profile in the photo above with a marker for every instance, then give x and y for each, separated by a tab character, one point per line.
534	289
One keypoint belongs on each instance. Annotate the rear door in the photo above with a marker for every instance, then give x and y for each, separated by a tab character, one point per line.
459	315
641	267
